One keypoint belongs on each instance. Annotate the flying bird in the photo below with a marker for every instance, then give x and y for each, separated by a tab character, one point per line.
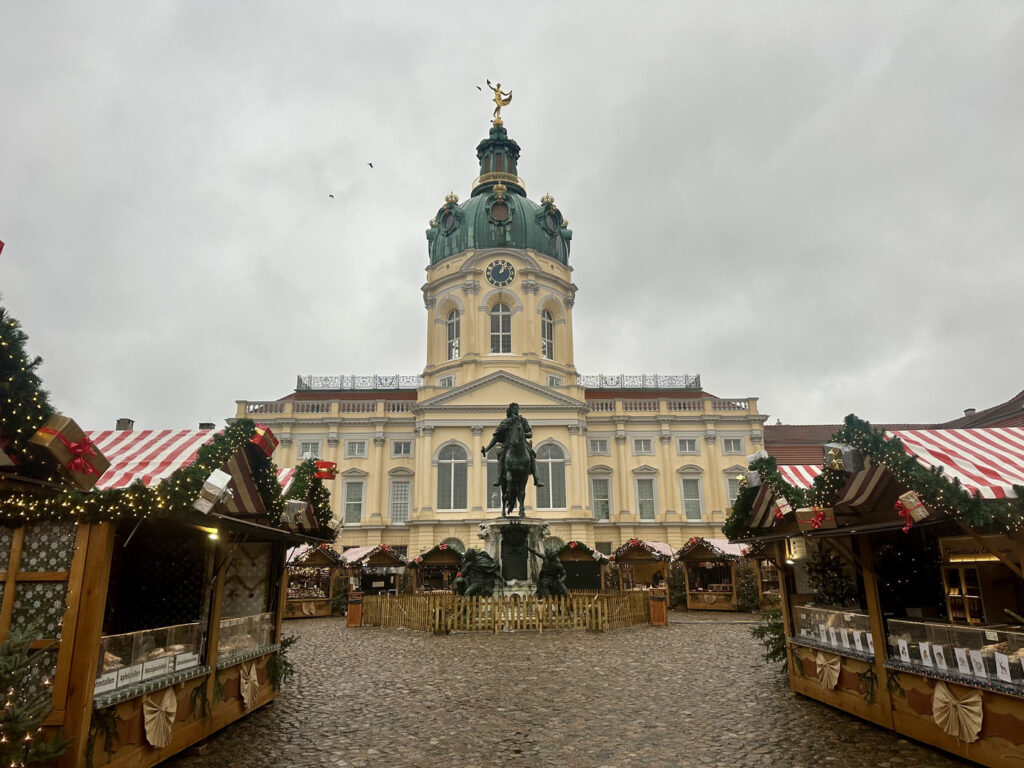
331	196
479	88
370	164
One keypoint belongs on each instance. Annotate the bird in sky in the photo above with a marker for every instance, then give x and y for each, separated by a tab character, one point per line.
370	164
479	88
331	196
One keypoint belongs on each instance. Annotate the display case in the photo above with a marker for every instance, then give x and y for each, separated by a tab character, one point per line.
985	653
135	657
835	627
963	595
244	634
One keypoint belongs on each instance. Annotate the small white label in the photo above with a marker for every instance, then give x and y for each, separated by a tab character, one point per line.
904	651
992	635
104	683
978	664
129	675
962	662
832	636
939	654
926	654
823	633
377	584
1003	667
186	661
857	642
844	636
156	667
871	643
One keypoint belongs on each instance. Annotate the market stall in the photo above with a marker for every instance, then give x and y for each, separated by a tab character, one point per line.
642	564
373	570
311	575
929	638
710	569
435	570
584	567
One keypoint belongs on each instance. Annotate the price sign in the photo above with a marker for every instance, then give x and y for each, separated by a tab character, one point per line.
978	664
904	651
962	662
926	654
156	667
186	660
104	683
129	675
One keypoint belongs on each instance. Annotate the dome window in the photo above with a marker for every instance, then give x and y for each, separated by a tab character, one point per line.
499	211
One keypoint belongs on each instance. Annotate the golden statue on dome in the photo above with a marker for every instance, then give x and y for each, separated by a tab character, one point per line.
501	99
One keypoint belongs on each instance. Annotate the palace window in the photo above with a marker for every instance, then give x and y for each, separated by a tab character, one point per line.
401	448
554	381
551	470
446	381
732	445
646	506
309	449
643	446
600	497
599	446
452	470
355	449
686	445
400	494
501	329
693	502
493	494
732	489
547	335
453	335
604	547
354	501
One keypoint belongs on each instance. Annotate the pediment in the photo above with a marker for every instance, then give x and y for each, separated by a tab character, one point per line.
646	469
495	391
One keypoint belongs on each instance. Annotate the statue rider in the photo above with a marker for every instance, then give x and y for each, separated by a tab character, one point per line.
501	436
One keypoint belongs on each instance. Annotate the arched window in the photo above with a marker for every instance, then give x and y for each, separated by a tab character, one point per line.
451	477
453	335
553	544
501	329
455	544
551	470
547	335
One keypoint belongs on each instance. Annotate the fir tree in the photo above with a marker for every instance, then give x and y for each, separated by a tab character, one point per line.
27	704
24	405
747	597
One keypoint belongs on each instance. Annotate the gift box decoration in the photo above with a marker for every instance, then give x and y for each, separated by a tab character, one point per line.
214	490
753	478
815	518
61	438
844	457
914	506
326	470
298	517
264	440
781	507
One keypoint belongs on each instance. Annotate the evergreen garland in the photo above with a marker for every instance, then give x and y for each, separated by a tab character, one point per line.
736	525
24	404
306	486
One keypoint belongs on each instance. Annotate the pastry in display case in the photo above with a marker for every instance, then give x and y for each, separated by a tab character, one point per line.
238	636
134	657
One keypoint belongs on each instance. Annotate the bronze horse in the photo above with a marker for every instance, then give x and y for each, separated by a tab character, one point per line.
517	470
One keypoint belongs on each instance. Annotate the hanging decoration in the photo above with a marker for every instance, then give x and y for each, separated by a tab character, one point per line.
264	439
63	440
782	508
214	490
326	470
738	522
827	666
308	486
248	684
960	718
159	710
815	518
910	507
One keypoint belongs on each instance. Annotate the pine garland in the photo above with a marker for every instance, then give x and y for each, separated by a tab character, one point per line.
306	486
24	404
736	525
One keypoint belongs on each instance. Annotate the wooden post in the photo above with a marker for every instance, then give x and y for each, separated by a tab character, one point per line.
221	553
92	601
784	606
874	607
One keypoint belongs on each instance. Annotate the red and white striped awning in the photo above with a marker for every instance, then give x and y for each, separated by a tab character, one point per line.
800	475
285	476
989	461
149	455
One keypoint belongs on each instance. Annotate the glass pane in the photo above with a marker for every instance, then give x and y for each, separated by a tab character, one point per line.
493	494
544	494
691	498
400	501
444	485
459	491
557	484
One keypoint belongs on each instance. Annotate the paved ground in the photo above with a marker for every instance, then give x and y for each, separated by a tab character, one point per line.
693	694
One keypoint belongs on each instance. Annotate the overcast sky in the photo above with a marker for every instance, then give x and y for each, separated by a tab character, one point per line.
820	204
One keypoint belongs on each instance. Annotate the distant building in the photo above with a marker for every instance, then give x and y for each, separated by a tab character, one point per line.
650	457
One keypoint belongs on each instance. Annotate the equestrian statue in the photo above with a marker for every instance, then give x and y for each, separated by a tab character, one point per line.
516	460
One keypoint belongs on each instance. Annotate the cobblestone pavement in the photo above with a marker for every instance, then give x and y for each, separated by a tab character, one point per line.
693	694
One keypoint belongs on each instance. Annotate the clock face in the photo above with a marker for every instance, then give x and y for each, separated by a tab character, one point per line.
500	273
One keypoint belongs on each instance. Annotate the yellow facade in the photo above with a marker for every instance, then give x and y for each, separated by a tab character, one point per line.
626	444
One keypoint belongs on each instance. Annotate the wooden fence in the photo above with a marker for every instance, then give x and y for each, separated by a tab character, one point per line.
450	613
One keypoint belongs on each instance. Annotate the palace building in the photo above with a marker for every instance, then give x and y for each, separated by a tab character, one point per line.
621	457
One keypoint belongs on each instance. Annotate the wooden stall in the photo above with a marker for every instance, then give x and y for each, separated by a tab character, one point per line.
373	570
931	640
168	617
584	567
710	572
311	575
643	564
434	570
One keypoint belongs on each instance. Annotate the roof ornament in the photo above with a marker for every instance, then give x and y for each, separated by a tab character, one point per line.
501	99
499	191
547	199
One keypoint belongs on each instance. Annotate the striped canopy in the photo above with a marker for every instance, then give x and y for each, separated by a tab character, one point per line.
989	461
800	475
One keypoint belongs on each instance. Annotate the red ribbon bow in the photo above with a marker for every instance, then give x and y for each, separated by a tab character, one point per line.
819	515
79	451
573	545
442	546
903	512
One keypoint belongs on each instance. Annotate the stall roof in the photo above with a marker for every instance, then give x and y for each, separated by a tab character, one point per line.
659	549
299	555
355	554
800	475
723	547
989	461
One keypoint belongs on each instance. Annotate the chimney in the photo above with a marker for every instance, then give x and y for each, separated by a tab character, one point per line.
125	424
207	425
970	411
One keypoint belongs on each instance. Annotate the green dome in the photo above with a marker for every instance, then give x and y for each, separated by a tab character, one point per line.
498	214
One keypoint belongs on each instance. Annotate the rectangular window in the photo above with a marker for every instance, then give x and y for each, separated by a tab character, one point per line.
732	489
686	445
643	445
692	503
645	504
732	445
600	498
493	494
354	501
552	495
446	381
599	446
400	501
309	449
554	381
355	449
451	485
501	330
401	448
604	547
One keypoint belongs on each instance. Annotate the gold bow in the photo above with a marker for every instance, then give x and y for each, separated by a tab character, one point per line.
960	718
248	684
159	717
835	459
827	665
742	481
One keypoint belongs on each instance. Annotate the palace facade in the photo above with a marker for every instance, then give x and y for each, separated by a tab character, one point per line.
649	457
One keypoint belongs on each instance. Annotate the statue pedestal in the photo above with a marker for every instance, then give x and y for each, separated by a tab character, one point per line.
506	541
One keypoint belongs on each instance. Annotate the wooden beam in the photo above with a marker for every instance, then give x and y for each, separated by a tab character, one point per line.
980	540
13	566
883	699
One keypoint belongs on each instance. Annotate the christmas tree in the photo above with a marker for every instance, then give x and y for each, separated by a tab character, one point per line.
24	405
28	702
